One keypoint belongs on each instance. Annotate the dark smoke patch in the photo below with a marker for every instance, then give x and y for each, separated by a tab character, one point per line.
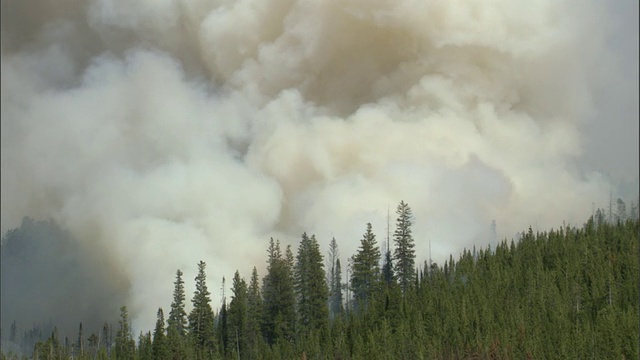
47	277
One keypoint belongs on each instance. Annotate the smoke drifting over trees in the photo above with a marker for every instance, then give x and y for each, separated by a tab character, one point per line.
161	132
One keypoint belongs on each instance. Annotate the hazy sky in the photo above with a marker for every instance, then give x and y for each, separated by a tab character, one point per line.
611	137
161	133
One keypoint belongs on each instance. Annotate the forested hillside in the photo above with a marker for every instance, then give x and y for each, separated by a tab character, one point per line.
565	293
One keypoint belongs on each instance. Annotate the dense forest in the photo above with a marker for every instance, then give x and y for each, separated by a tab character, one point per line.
565	293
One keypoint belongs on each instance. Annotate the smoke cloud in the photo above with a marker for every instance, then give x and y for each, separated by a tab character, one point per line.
165	132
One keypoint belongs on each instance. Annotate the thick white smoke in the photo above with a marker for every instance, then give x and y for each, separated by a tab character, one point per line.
165	132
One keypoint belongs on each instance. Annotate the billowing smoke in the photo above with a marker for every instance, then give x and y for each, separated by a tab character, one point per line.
165	132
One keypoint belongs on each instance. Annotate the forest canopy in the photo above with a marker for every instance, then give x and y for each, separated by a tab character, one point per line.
563	293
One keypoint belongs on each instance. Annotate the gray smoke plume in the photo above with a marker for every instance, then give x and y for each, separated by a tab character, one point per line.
165	132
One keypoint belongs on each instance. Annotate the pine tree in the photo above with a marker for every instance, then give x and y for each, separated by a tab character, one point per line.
107	338
310	285
177	315
80	344
254	312
238	316
387	269
201	319
145	347
223	328
287	327
49	349
125	346
334	276
92	345
160	347
278	295
404	254
366	269
177	322
336	292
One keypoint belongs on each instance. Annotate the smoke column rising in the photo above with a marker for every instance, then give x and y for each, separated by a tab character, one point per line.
164	132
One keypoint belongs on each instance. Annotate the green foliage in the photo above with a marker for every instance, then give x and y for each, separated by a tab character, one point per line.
278	296
310	286
160	346
566	293
254	315
366	269
145	347
238	316
177	324
125	346
334	280
336	299
201	319
177	315
51	349
404	253
388	275
223	328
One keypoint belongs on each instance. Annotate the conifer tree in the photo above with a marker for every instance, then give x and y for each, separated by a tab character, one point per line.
107	338
223	328
404	254
310	285
125	346
334	278
201	319
254	311
238	316
366	269
160	347
387	269
278	295
50	349
336	292
92	345
177	322
145	347
80	344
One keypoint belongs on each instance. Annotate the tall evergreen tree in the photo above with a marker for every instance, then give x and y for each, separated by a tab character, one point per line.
80	343
387	269
177	322
92	345
310	285
254	311
336	291
278	295
404	252
334	279
125	346
107	338
160	347
366	269
51	348
145	347
238	316
223	328
201	318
